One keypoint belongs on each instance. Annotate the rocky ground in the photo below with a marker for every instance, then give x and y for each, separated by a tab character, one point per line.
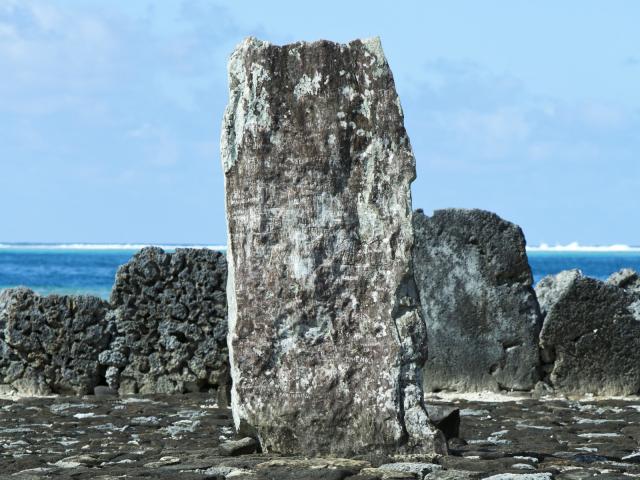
187	437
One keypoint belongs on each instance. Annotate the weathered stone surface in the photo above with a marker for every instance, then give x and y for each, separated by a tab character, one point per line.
325	331
348	464
418	469
626	278
590	339
241	446
169	310
385	474
51	344
314	468
521	476
452	475
117	437
446	419
478	302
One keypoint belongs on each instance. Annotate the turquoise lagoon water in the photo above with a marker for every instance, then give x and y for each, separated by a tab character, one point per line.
90	269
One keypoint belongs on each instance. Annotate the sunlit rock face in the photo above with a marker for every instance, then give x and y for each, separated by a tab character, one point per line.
626	278
478	302
590	339
325	331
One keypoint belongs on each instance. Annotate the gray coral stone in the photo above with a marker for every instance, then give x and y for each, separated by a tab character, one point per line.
325	332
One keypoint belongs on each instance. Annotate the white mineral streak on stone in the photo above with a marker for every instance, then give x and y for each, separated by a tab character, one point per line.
599	435
307	85
634	456
294	52
325	333
237	408
374	46
399	105
520	476
533	427
634	309
365	108
526	459
248	106
349	92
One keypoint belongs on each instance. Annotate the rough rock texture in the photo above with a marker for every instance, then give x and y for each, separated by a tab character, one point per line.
478	302
169	311
242	446
325	330
51	344
626	278
170	437
590	339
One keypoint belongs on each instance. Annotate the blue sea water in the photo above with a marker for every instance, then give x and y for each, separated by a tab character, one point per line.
91	269
65	269
597	264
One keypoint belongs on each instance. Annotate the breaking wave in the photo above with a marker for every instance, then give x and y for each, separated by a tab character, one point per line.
576	247
543	247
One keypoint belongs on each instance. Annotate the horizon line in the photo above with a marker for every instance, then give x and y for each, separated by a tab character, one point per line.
131	246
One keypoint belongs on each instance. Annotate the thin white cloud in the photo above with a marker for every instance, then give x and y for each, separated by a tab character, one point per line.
471	116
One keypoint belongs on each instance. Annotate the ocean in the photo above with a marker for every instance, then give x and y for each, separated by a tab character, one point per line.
91	269
67	268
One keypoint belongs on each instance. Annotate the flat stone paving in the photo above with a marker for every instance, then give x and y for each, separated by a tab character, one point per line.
180	436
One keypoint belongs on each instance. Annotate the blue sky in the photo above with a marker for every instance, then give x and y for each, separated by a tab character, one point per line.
110	112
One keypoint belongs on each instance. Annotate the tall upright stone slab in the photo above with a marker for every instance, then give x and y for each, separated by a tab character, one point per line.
325	332
478	301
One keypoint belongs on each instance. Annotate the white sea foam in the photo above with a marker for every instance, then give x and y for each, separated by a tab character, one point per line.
543	247
99	246
576	247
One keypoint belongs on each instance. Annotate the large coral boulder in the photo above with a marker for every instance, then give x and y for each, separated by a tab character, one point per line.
591	335
51	344
478	302
169	312
325	332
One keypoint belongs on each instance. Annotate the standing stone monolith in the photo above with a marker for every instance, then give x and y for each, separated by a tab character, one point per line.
478	301
325	332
